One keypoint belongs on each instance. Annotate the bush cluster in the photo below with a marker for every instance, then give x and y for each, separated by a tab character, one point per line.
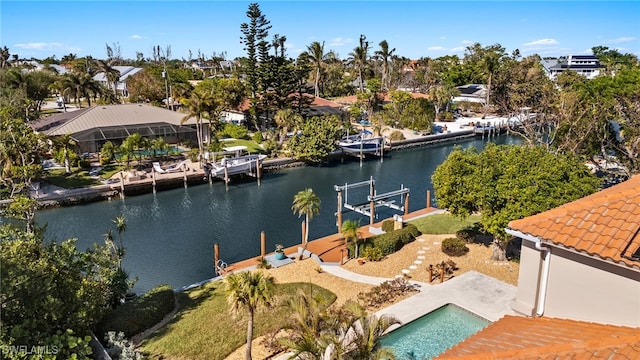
390	242
372	254
397	135
454	247
140	314
468	234
387	225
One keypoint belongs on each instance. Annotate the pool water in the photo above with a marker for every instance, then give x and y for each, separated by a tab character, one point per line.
431	334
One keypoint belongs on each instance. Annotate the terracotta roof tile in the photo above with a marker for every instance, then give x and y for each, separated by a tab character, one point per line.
514	337
603	224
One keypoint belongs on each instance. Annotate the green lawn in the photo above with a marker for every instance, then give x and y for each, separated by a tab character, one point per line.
443	223
79	178
204	328
252	146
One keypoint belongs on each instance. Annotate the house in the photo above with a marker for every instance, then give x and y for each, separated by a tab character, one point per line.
582	260
121	84
578	286
92	127
586	65
472	93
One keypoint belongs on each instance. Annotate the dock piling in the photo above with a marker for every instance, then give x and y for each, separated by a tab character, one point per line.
263	244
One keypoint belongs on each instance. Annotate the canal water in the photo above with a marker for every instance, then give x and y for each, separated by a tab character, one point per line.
170	235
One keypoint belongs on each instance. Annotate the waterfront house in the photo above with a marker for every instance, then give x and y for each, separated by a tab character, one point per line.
586	65
578	285
92	127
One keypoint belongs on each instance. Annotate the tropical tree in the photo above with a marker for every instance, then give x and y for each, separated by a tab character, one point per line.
351	233
107	152
286	120
306	203
121	226
66	144
316	55
365	337
4	57
248	291
79	85
111	74
506	183
384	54
359	57
197	106
317	139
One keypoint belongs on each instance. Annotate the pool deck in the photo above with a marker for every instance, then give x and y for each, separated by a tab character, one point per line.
478	293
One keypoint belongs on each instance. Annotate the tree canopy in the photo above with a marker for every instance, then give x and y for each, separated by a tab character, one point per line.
508	182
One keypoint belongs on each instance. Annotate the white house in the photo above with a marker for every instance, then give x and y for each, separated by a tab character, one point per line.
121	84
586	65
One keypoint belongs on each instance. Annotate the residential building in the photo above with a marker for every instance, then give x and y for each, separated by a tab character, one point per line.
471	93
578	285
92	127
586	65
121	84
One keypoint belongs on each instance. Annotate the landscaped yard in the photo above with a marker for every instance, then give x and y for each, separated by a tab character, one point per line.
205	329
443	223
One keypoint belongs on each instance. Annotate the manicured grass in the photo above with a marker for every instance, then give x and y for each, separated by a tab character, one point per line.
77	179
443	223
252	146
204	328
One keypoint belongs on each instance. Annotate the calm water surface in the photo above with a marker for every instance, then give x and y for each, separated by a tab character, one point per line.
170	235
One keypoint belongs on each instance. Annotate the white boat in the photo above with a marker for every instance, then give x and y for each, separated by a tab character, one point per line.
235	165
362	143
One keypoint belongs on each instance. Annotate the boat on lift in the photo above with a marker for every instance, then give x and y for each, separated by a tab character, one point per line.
362	143
237	164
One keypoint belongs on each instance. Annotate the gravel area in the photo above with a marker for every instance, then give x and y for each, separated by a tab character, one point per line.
427	250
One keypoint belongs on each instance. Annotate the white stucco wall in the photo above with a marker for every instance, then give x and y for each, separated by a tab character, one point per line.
579	288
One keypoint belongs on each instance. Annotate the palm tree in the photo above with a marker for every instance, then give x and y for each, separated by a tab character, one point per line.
158	145
308	323
287	119
385	54
81	85
306	203
121	226
197	105
315	54
359	58
351	233
108	151
365	337
248	290
67	144
111	74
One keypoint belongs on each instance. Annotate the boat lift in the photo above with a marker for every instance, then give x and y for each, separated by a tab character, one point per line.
374	200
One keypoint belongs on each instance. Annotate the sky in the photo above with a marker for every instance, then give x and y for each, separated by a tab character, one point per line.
415	29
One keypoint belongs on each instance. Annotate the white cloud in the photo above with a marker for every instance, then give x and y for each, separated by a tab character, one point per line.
542	42
40	46
458	49
136	36
340	41
621	40
466	42
443	38
436	48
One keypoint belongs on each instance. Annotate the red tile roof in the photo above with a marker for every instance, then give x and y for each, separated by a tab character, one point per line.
605	224
515	337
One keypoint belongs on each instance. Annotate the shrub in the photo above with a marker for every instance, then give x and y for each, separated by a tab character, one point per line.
397	135
372	254
454	247
257	137
85	164
140	314
236	131
387	225
387	243
386	292
467	235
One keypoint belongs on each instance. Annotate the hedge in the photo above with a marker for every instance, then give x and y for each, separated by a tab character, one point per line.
140	314
387	226
390	242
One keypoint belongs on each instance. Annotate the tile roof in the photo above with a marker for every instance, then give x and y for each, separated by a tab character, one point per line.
605	224
519	338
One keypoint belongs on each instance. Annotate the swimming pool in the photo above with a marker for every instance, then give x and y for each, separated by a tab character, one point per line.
433	333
